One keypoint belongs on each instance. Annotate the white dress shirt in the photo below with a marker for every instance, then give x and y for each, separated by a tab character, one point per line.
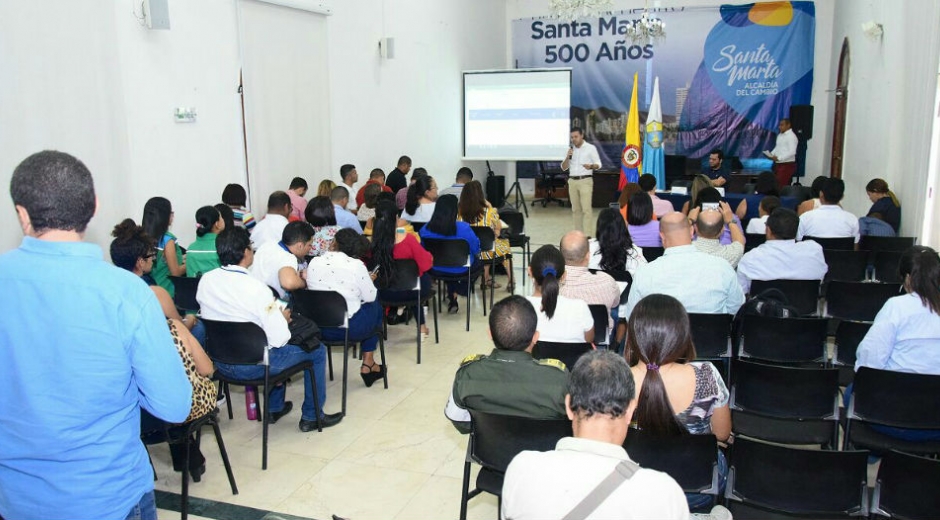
782	260
785	150
269	229
572	318
353	190
231	294
584	154
904	338
828	221
334	271
422	214
757	226
269	260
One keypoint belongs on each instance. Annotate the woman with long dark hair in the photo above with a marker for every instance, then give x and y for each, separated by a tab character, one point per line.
158	217
235	197
885	209
643	228
561	319
814	190
322	216
227	215
613	249
422	196
474	210
201	255
391	242
444	226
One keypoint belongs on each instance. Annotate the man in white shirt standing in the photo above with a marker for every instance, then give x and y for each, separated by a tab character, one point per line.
580	163
351	183
276	264
781	257
270	228
231	294
829	220
784	154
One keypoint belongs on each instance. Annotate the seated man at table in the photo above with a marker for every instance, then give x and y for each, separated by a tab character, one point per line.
781	257
717	170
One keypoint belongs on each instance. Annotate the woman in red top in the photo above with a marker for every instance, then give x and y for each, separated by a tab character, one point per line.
388	244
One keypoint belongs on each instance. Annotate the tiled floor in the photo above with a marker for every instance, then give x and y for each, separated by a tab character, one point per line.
395	455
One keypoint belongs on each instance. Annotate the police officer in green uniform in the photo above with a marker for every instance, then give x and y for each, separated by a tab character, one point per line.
509	381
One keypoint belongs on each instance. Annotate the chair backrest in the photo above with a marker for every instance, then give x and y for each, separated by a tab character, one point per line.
798	481
801	294
844	243
873	243
405	277
691	460
711	334
448	253
363	223
898	399
848	335
785	392
235	343
185	288
886	266
908	486
652	253
749	188
846	265
800	193
784	340
858	300
617	275
325	308
601	320
417	226
752	240
567	353
496	439
486	236
515	221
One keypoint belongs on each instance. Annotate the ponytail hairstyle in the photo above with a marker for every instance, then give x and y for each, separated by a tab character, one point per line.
206	218
418	188
658	334
384	225
881	187
920	269
131	243
548	266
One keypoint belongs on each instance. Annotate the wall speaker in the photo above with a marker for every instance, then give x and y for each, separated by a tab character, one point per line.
801	119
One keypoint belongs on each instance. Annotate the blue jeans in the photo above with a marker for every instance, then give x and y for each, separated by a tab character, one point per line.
701	500
280	359
362	325
146	509
199	332
398	296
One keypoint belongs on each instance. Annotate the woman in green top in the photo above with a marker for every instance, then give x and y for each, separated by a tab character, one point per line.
158	217
201	256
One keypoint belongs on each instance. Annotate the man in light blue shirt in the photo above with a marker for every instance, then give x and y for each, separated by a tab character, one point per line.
781	257
83	345
704	283
345	219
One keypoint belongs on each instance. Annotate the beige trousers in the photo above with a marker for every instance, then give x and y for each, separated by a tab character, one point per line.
579	193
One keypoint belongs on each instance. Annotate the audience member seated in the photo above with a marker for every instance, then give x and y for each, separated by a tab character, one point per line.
600	403
699	183
709	224
396	177
321	214
324	190
341	270
580	284
829	220
350	181
402	223
676	395
370	194
344	219
231	294
661	207
643	227
235	197
613	249
814	189
401	194
561	319
464	175
277	265
227	215
629	190
422	196
765	186
376	178
158	217
703	283
474	209
270	228
389	243
296	192
509	381
758	226
716	169
884	217
201	256
444	226
711	196
781	257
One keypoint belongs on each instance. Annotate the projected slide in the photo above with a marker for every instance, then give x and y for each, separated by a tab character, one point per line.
516	114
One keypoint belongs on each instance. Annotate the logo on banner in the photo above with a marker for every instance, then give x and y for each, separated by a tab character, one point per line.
631	156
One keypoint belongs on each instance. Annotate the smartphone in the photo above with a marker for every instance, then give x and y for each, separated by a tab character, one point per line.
374	270
281	304
614	205
710	205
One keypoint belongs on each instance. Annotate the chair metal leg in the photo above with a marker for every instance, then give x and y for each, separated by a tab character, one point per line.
265	417
329	359
436	336
228	400
345	369
469	298
465	489
384	364
316	398
417	330
184	496
224	454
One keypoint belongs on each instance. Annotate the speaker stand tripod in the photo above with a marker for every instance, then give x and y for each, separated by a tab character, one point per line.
519	197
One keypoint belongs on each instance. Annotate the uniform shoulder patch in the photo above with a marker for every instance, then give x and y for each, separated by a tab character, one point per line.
471	358
549	362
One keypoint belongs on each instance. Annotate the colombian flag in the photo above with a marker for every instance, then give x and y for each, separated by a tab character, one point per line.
631	163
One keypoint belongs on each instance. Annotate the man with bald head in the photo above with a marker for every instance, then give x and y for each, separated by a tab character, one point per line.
709	224
704	283
594	289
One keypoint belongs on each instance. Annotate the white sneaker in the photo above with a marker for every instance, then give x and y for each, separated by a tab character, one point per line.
717	513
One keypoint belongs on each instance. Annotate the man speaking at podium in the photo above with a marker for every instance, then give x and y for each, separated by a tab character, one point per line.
580	163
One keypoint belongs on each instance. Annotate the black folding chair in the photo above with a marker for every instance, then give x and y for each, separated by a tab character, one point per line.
691	460
406	278
785	405
651	253
495	440
487	238
601	315
907	487
453	253
886	266
848	335
784	340
801	294
185	293
846	265
843	243
875	244
769	481
752	240
244	343
567	353
328	310
858	301
892	399
518	238
711	335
